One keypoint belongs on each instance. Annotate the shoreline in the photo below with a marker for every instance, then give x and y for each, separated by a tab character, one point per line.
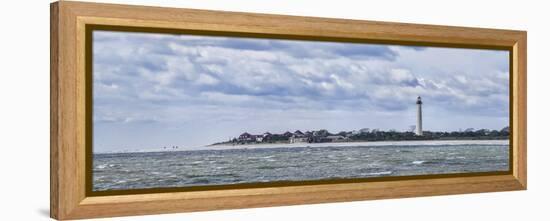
349	142
330	144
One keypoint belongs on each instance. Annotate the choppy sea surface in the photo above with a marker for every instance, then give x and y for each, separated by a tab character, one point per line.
297	162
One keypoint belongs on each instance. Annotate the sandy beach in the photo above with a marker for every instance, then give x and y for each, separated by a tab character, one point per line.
332	144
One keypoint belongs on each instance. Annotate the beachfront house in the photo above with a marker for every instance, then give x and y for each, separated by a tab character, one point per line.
267	137
337	138
246	137
287	134
298	137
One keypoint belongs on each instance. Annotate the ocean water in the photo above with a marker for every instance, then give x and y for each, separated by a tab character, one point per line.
141	170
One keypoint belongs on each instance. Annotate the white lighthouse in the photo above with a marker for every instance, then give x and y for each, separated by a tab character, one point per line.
419	116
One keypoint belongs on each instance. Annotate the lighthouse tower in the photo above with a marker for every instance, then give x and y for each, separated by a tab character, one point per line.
419	116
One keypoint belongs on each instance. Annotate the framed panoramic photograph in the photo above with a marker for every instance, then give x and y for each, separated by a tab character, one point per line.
159	110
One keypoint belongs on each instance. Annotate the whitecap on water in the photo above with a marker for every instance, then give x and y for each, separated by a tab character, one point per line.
418	162
455	158
103	166
381	173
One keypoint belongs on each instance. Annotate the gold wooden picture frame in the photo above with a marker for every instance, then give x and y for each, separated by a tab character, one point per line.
71	195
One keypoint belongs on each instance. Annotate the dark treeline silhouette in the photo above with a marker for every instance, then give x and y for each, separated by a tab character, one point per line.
324	136
482	134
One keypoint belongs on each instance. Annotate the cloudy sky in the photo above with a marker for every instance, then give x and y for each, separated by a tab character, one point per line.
154	90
